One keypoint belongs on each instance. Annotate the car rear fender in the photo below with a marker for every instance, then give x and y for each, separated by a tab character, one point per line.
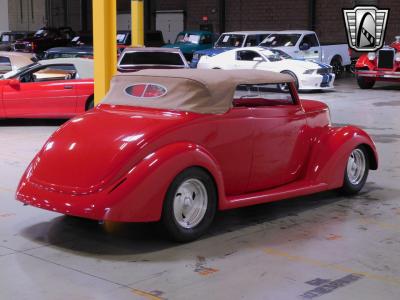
139	195
331	151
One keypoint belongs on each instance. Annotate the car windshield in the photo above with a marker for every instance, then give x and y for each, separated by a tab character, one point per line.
121	38
230	40
16	73
42	33
281	40
271	56
151	58
275	55
190	38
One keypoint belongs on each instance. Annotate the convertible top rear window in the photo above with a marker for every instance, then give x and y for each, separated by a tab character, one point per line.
151	58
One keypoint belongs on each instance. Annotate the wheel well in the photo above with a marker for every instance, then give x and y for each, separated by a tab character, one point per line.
89	99
291	73
373	164
336	57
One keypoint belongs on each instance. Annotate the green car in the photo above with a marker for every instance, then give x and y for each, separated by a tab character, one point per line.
193	40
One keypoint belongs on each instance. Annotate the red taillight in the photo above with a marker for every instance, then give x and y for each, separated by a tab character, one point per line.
33	46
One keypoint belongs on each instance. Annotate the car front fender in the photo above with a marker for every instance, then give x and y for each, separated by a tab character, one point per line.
139	195
330	153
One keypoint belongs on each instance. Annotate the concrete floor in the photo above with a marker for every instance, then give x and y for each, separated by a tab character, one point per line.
322	246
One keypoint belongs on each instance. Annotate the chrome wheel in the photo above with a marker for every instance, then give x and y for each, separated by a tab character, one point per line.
190	203
356	166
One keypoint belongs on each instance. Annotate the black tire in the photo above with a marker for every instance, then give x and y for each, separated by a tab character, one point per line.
89	103
284	87
365	83
170	225
337	67
350	188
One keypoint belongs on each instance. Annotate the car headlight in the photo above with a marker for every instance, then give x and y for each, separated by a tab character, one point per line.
371	55
308	72
397	57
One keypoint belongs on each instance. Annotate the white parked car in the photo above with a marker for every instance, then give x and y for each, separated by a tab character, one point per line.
304	44
308	75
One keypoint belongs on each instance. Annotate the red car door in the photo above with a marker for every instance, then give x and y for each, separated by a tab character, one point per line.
280	145
42	93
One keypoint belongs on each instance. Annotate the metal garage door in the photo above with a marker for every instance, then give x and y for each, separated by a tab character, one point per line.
170	22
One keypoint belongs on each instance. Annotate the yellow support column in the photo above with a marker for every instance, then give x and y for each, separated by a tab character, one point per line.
137	14
105	45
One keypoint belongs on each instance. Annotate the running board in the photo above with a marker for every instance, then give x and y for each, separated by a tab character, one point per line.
295	189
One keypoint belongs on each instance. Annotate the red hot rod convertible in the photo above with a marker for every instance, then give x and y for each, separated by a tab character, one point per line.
176	145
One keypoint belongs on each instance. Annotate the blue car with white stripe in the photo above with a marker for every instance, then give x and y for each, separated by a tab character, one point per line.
307	74
231	40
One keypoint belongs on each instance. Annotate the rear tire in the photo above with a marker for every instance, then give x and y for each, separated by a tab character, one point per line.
356	172
189	206
337	67
365	83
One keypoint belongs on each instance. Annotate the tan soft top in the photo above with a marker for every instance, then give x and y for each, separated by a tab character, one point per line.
194	90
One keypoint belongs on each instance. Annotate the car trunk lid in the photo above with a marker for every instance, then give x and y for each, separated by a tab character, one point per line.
91	149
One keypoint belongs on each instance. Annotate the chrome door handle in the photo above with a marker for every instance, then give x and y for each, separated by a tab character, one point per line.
68	87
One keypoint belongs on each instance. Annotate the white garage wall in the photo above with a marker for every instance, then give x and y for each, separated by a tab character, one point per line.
4	26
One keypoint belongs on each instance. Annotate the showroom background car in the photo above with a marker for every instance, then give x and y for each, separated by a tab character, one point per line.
304	44
12	61
135	59
231	40
192	40
308	75
383	65
57	88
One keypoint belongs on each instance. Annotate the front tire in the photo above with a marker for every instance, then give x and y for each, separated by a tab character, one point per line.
356	171
190	205
365	83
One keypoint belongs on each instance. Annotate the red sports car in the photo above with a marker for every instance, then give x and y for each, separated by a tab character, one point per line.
57	88
176	145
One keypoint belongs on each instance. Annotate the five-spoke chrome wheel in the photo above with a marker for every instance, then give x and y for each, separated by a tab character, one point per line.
190	203
356	171
356	166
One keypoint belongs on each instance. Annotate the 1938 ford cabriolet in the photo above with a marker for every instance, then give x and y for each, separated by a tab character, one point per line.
176	145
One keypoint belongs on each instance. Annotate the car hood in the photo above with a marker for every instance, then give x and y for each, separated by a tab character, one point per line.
99	147
305	64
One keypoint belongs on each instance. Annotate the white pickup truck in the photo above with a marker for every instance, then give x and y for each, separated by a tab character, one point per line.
303	44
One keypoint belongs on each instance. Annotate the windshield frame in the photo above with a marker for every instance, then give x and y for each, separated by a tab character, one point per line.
16	73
